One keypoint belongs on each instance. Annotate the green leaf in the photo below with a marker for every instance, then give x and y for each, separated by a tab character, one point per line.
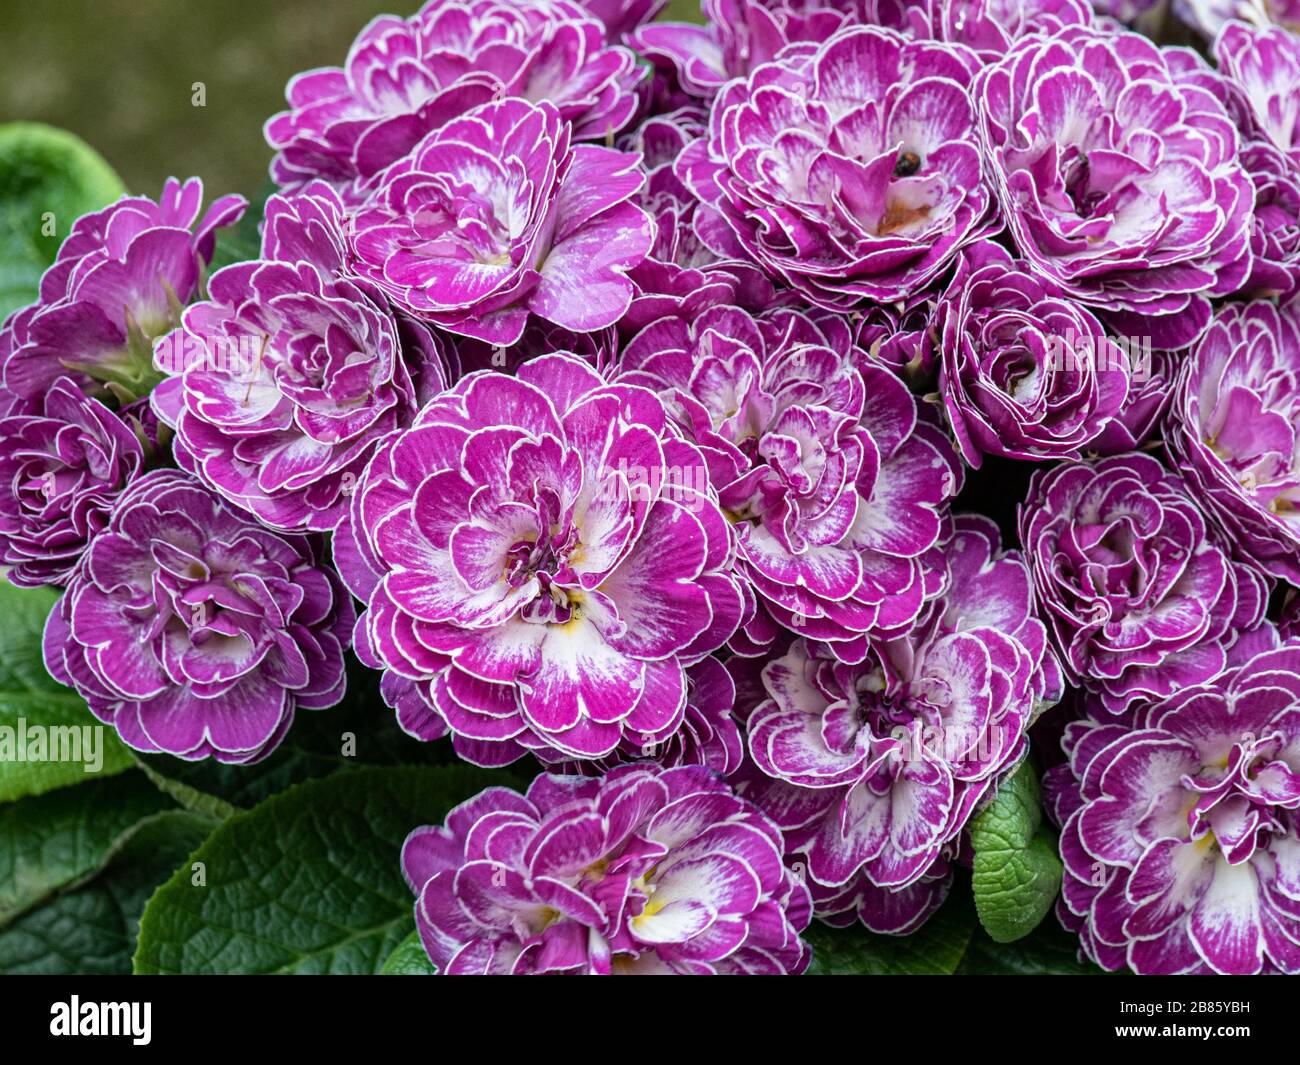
30	697
1016	873
48	179
92	929
409	959
1049	950
936	949
49	842
307	882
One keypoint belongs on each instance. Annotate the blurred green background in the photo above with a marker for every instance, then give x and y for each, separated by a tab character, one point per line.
121	74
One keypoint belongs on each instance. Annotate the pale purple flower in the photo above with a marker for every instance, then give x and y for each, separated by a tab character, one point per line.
1262	69
406	77
286	378
987	27
737	37
195	632
1180	839
1140	596
1024	372
1209	17
543	557
495	216
1233	430
1243	86
850	171
1119	182
875	768
645	870
120	280
836	489
62	465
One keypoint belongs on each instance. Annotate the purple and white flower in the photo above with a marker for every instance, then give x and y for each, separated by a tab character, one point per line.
875	768
495	216
851	171
1180	839
406	77
1234	430
645	870
835	487
195	632
61	468
543	557
1118	180
287	377
1140	596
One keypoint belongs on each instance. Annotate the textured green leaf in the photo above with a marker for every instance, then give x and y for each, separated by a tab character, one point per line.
409	959
48	179
1016	873
1048	950
28	694
49	842
307	882
91	930
936	949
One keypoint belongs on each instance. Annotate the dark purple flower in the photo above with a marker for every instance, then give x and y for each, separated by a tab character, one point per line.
195	632
543	557
406	77
62	465
645	870
849	171
286	378
1138	419
1025	372
1180	839
119	281
1141	598
495	216
1119	182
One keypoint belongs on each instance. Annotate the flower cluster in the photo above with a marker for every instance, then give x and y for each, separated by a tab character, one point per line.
751	425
